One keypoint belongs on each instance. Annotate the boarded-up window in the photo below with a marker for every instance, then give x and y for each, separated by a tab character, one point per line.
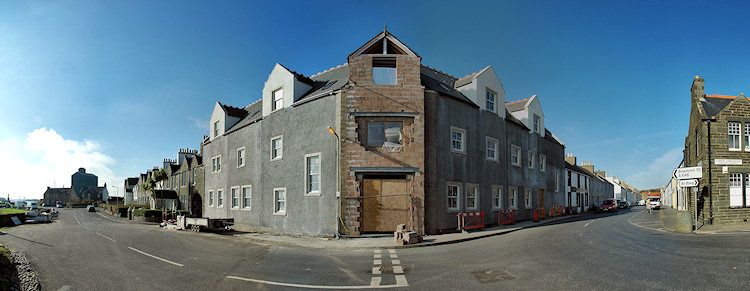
380	133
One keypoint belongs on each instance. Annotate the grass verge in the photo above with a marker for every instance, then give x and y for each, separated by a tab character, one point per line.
6	269
11	211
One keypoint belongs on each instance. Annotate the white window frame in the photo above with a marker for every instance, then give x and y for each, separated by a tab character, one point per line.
469	189
241	157
276	209
528	201
536	123
747	138
497	197
308	192
219	197
557	180
274	106
232	191
457	197
513	197
243	205
487	149
542	163
493	102
531	159
734	129
281	148
216	164
462	141
515	151
735	189
211	198
216	129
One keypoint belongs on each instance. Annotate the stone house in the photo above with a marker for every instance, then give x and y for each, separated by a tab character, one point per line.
729	200
129	186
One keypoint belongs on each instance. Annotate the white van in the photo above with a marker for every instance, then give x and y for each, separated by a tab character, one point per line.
655	203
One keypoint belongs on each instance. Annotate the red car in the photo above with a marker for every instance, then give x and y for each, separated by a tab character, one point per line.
608	205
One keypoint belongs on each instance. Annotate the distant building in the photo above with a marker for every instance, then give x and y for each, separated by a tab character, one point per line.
83	189
129	186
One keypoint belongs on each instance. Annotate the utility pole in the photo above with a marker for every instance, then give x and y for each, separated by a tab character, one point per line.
710	185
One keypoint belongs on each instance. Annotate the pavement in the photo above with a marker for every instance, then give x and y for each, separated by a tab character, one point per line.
668	218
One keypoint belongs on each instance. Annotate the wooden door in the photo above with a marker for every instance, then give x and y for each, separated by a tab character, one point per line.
541	197
384	205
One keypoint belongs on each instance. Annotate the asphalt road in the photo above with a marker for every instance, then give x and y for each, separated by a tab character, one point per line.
626	250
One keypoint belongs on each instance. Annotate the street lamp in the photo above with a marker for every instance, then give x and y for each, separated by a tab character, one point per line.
338	176
117	191
710	185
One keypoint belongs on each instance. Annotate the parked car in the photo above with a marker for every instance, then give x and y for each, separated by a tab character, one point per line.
91	208
59	205
608	205
623	205
640	203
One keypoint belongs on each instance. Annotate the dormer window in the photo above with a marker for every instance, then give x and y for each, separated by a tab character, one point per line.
278	99
216	129
536	123
384	71
491	97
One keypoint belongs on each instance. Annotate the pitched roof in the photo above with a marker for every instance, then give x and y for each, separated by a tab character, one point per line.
253	114
516	105
469	78
328	81
298	76
576	168
442	83
234	111
513	119
551	137
713	104
131	181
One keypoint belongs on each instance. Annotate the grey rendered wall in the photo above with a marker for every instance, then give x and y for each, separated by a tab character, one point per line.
555	161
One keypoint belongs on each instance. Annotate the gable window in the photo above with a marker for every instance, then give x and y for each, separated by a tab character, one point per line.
235	197
492	149
384	71
531	160
240	157
497	194
513	197
381	133
491	96
734	136
220	197
472	192
216	164
277	147
247	201
542	163
216	129
278	99
458	141
536	124
453	195
527	198
747	137
279	197
515	155
312	174
211	198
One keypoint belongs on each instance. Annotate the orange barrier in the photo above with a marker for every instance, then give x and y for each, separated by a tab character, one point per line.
556	210
470	220
507	217
538	214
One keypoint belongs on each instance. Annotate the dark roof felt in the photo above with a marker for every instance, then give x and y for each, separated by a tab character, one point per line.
443	84
132	181
713	106
234	111
328	81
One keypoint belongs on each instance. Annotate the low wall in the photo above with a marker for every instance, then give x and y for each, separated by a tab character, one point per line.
5	219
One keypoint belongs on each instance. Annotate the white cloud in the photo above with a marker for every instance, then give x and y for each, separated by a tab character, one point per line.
658	172
44	158
199	123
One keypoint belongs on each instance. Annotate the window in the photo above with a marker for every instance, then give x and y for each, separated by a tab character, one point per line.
235	197
735	190
312	174
542	163
536	124
747	137
453	195
279	197
384	71
472	192
458	141
492	149
557	180
497	197
216	129
734	136
515	155
193	181
276	147
247	197
211	198
216	164
241	157
383	133
527	198
531	160
491	101
220	197
513	197
278	99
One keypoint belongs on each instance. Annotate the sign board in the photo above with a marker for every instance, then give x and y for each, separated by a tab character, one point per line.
15	219
724	169
688	183
688	173
734	162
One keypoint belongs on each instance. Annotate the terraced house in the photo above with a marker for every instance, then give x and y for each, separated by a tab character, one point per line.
379	141
729	119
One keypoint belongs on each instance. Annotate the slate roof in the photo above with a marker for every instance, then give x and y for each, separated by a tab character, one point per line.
298	76
715	103
513	119
234	111
328	81
551	137
254	113
516	105
132	181
576	168
443	84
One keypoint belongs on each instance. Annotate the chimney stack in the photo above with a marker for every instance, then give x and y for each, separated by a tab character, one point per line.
696	91
570	159
588	166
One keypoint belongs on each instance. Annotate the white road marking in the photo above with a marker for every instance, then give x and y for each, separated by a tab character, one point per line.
394	256
376	271
307	286
377	262
109	238
155	257
376	256
377	251
587	224
398	270
102	215
396	262
392	251
375	281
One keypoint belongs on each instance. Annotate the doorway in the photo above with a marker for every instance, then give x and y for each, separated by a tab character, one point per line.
385	204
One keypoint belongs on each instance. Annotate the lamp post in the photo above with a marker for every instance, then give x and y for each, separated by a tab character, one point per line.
117	191
338	177
710	185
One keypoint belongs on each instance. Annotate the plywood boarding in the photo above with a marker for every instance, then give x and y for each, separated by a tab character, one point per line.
385	205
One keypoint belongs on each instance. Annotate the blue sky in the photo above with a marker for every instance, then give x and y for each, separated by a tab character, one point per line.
117	86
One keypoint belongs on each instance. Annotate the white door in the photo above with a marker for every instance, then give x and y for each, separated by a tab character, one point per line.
735	190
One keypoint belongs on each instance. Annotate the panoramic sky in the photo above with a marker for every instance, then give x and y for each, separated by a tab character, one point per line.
117	86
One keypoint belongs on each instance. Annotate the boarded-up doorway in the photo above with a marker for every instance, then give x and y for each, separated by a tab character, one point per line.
541	197
385	204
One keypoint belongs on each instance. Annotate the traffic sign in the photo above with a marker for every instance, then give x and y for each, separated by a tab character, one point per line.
688	173
688	183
